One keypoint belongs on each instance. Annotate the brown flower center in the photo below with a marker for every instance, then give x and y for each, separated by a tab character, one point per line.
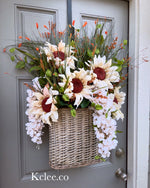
101	74
115	100
46	107
59	54
77	85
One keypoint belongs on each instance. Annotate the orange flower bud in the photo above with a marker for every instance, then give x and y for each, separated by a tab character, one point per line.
73	22
19	45
46	27
27	38
4	50
85	23
37	25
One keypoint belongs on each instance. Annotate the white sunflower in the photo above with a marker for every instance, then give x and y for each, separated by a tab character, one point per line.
43	106
77	87
61	54
104	72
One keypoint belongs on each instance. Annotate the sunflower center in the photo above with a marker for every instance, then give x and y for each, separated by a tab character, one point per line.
59	54
77	85
46	107
115	100
101	74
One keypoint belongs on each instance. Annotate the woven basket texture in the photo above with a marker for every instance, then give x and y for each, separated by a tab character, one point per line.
72	141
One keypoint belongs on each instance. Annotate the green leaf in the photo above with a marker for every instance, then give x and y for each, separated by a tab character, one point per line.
26	53
73	112
42	73
90	54
98	26
125	42
31	63
119	68
97	51
20	65
48	73
85	103
60	69
42	81
106	115
66	83
55	74
103	159
61	90
12	58
70	106
98	107
93	104
65	97
97	157
61	102
34	68
117	131
101	40
94	125
72	43
11	50
25	59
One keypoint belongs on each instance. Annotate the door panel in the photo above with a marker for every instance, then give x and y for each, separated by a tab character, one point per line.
19	156
112	13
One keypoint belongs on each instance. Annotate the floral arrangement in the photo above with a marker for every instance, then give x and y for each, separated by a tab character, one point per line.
73	70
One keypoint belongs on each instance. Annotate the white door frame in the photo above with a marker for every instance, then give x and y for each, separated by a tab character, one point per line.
138	95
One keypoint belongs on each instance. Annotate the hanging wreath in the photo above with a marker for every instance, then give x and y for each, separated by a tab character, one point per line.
76	71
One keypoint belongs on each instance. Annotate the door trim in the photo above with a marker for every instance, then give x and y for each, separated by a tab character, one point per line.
138	100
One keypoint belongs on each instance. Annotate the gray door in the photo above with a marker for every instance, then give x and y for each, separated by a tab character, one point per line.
19	156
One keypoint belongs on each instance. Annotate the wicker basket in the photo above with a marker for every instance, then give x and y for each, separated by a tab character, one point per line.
72	142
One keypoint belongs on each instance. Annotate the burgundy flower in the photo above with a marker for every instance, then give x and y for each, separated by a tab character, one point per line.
46	107
59	54
77	85
101	74
115	100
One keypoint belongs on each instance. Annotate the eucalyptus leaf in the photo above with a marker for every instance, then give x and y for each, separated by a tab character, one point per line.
61	90
97	157
125	42
73	112
12	58
12	50
65	97
48	73
34	68
117	131
20	65
98	107
25	59
98	26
